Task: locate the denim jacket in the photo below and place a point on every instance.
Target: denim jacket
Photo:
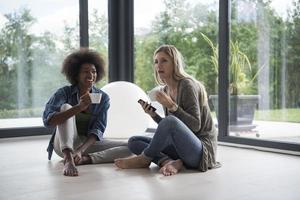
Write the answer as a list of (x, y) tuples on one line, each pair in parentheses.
[(70, 95)]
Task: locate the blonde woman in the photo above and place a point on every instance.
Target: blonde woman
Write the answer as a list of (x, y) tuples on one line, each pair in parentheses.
[(187, 135)]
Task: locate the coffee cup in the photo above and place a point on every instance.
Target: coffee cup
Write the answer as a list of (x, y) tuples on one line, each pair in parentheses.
[(95, 97), (152, 95)]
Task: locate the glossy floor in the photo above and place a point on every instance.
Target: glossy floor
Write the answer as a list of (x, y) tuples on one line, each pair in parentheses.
[(25, 173)]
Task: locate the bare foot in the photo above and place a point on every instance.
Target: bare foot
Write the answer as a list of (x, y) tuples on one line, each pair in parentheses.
[(171, 167), (69, 165), (132, 162), (85, 160), (69, 168)]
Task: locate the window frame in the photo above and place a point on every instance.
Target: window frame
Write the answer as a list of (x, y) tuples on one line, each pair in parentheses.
[(121, 67), (223, 118), (121, 51)]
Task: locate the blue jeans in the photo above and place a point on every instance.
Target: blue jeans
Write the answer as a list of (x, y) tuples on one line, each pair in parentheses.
[(172, 140)]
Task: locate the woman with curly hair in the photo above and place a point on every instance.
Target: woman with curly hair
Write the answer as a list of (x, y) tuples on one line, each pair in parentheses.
[(78, 124)]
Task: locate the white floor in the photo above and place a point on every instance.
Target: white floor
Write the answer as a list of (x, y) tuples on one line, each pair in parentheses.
[(267, 130), (25, 173)]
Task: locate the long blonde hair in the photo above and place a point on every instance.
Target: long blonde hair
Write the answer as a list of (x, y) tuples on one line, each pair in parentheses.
[(179, 66)]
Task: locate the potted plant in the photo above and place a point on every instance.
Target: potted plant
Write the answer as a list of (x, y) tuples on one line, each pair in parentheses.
[(242, 104)]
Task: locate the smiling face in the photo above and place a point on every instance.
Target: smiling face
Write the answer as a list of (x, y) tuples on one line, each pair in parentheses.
[(87, 76), (164, 66)]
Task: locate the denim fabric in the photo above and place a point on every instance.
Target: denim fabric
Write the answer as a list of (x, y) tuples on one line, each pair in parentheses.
[(70, 95), (137, 144), (172, 139)]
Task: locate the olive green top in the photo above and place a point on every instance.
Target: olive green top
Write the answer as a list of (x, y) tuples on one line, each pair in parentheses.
[(82, 123)]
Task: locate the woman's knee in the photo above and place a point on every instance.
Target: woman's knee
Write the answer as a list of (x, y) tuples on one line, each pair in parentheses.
[(65, 107), (169, 122), (136, 144), (171, 119), (131, 140), (132, 143)]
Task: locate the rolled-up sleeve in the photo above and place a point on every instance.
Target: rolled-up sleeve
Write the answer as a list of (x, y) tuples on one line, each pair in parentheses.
[(99, 126), (53, 105), (157, 118)]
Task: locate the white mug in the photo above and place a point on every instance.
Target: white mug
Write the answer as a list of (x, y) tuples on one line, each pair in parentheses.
[(95, 97), (152, 93)]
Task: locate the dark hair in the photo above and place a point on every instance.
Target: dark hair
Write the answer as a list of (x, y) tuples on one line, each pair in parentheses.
[(73, 62)]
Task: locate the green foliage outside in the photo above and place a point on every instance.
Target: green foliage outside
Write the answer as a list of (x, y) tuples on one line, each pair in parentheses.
[(182, 25), (30, 64), (239, 64), (287, 115), (21, 113), (282, 115)]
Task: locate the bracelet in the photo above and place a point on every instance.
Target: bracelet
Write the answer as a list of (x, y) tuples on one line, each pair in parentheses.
[(173, 108)]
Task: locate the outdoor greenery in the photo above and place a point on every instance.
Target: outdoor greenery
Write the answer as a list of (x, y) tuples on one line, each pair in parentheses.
[(287, 115), (182, 25), (30, 64), (239, 64), (28, 112), (279, 115)]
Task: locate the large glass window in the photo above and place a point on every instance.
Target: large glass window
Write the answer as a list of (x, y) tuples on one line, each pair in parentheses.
[(98, 31), (264, 70), (180, 23), (34, 39)]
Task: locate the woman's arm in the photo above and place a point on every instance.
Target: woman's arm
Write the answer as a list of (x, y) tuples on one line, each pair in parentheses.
[(188, 110), (157, 118), (90, 140), (147, 108), (62, 116)]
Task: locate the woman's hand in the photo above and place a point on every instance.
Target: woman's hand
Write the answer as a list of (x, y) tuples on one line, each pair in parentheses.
[(146, 106), (77, 155), (84, 101), (164, 99)]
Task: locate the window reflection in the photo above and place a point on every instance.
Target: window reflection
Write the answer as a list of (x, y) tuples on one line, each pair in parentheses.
[(34, 39), (266, 32), (98, 31)]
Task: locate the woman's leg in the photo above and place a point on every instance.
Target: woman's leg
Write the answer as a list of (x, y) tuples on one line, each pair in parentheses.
[(105, 151), (170, 132), (137, 144), (65, 139)]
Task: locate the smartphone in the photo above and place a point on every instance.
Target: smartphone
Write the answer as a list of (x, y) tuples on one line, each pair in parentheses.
[(142, 102)]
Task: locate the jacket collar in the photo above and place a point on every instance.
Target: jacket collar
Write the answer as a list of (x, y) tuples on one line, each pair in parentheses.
[(75, 90)]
